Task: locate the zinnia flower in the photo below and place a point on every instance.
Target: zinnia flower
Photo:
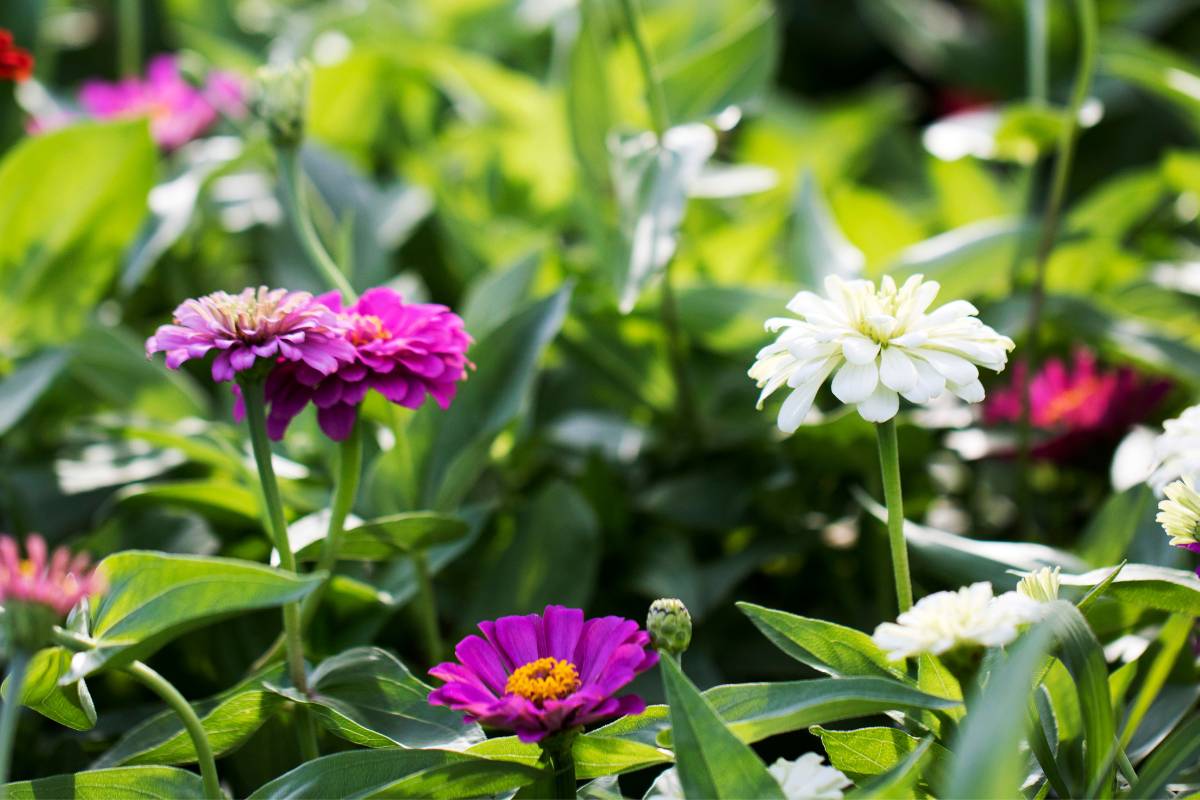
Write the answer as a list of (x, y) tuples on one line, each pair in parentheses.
[(1041, 585), (806, 778), (178, 111), (57, 583), (878, 345), (1177, 450), (271, 324), (406, 352), (1179, 514), (541, 674), (1079, 406), (16, 64), (971, 616)]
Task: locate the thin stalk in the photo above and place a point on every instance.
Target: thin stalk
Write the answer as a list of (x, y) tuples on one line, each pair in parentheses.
[(1036, 71), (655, 97), (426, 608), (291, 183), (345, 490), (256, 418), (195, 728), (563, 764), (889, 464), (18, 663), (129, 37)]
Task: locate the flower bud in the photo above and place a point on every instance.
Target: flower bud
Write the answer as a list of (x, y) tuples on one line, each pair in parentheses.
[(670, 625), (1040, 585), (281, 101)]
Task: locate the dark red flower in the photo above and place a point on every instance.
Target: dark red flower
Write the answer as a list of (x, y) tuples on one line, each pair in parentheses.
[(16, 63)]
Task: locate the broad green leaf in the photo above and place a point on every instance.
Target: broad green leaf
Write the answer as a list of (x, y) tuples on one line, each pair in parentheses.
[(222, 500), (145, 783), (1155, 69), (934, 678), (397, 773), (1146, 586), (900, 782), (70, 704), (1179, 751), (385, 537), (21, 388), (367, 696), (971, 261), (818, 248), (589, 106), (492, 298), (1158, 662), (229, 719), (82, 197), (824, 646), (153, 598), (595, 756), (710, 759), (867, 752)]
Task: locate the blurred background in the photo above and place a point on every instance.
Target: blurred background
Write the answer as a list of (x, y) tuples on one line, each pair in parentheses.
[(492, 155)]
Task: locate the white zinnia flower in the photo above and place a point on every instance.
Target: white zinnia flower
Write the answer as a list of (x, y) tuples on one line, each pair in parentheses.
[(1177, 450), (1179, 514), (806, 778), (1041, 585), (945, 620), (877, 344)]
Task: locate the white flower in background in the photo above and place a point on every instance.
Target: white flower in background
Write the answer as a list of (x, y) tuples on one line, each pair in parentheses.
[(1177, 450), (1179, 514), (806, 778), (945, 620), (1041, 585), (878, 344)]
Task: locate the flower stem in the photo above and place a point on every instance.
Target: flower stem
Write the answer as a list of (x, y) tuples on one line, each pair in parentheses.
[(291, 184), (195, 728), (426, 608), (256, 418), (889, 464), (18, 662), (655, 97), (129, 37), (345, 490), (559, 762)]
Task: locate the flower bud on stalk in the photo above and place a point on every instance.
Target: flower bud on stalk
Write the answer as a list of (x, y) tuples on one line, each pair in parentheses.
[(670, 625), (281, 101)]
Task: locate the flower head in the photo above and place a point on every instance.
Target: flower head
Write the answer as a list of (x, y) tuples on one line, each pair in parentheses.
[(670, 625), (544, 673), (1177, 450), (878, 344), (178, 111), (971, 616), (1041, 585), (16, 64), (806, 778), (1076, 406), (406, 352), (42, 588), (1179, 514), (281, 100), (270, 324)]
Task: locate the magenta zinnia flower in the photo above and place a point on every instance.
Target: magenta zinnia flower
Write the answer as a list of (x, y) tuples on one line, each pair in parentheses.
[(541, 674), (57, 583), (178, 111), (276, 325), (1076, 407), (406, 352)]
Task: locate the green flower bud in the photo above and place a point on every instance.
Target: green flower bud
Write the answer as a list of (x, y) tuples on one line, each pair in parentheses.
[(670, 625), (281, 101)]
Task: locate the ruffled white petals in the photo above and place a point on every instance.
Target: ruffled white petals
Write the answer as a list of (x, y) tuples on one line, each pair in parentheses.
[(808, 778), (878, 343), (1179, 513), (1177, 450)]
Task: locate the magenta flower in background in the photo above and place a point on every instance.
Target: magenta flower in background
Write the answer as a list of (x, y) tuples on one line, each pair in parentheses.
[(540, 674), (406, 352), (178, 111), (1076, 406), (272, 324), (57, 583)]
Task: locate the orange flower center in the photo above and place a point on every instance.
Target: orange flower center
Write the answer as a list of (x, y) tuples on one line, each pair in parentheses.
[(1065, 403), (368, 329), (544, 679)]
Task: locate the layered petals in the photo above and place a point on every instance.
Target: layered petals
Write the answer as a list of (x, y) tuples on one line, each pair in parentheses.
[(58, 581)]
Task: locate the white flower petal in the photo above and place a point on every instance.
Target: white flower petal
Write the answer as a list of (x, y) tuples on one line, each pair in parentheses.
[(881, 406), (855, 382), (897, 370), (859, 349), (971, 392), (956, 369)]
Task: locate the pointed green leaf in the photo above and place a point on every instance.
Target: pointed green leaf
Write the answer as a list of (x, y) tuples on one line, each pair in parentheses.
[(386, 537), (824, 646), (144, 783), (595, 756), (69, 705)]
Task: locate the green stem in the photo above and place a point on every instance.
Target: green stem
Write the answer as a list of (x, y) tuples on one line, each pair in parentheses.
[(291, 182), (426, 608), (195, 728), (18, 662), (256, 419), (655, 97), (129, 37), (1035, 51), (889, 463), (345, 490)]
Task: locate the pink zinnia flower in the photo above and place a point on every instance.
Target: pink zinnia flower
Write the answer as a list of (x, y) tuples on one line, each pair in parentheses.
[(1076, 406), (541, 674), (57, 584), (276, 325), (178, 111), (406, 352)]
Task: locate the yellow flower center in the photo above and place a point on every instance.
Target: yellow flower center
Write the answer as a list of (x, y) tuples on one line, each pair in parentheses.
[(27, 569), (368, 329), (544, 679)]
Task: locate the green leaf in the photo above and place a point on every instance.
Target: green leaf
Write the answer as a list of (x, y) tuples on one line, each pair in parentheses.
[(1146, 586), (595, 756), (899, 783), (934, 678), (367, 696), (82, 197), (1179, 751), (867, 752), (144, 783), (69, 705), (970, 261), (395, 773), (385, 537), (711, 761), (1155, 667), (1155, 69), (153, 598), (824, 646), (588, 99), (492, 298), (220, 500), (818, 247), (22, 388)]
